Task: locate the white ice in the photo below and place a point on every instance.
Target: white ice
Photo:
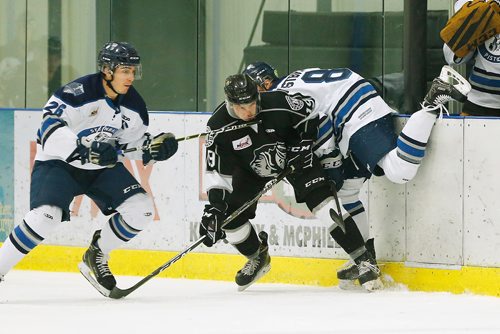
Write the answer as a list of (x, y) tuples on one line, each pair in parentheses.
[(37, 302)]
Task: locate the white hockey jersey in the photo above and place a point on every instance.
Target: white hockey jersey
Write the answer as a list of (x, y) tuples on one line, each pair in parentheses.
[(485, 75), (81, 109), (344, 100)]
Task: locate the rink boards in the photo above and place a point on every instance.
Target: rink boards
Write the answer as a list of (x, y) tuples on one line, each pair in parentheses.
[(438, 232)]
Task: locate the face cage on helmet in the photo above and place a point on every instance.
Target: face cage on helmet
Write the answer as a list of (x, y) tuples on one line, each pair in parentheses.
[(112, 66)]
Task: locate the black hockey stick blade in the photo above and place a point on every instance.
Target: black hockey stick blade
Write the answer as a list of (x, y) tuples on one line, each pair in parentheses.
[(117, 293)]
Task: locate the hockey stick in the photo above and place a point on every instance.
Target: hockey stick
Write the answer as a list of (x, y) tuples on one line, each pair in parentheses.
[(210, 136), (117, 293)]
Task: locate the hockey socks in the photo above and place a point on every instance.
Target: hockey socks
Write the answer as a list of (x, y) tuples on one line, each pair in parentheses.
[(114, 233)]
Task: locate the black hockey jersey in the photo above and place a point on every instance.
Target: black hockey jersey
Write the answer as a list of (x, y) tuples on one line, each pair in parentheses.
[(259, 149)]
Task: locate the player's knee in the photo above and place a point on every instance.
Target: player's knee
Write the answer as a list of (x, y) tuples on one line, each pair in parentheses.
[(401, 175), (43, 219), (137, 211), (398, 170), (238, 234)]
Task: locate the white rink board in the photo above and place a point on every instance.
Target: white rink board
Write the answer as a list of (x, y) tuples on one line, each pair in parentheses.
[(482, 192), (426, 221), (387, 214), (175, 186), (434, 199)]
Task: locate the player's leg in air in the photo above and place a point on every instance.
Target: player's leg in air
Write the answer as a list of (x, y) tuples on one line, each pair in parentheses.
[(401, 164), (396, 157)]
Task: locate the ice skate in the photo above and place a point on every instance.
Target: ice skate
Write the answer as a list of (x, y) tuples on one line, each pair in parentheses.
[(256, 267), (95, 267), (450, 85), (349, 272), (369, 272)]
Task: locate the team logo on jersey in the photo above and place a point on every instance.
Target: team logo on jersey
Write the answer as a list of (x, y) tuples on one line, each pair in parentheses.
[(74, 88), (269, 160), (242, 143), (295, 104), (307, 100), (490, 50)]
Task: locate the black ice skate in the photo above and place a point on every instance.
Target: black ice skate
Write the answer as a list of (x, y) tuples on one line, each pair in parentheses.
[(450, 85), (256, 267), (95, 267), (369, 272), (349, 272)]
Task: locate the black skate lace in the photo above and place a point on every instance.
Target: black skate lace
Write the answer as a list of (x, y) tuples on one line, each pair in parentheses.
[(250, 266), (102, 264)]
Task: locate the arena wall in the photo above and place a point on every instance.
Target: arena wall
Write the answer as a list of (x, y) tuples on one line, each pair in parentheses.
[(436, 233)]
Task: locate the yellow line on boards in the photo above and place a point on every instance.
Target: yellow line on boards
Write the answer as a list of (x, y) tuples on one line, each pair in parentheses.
[(287, 270)]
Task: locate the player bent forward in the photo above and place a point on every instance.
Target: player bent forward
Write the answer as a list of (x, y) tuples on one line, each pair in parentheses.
[(84, 124), (357, 138), (239, 163)]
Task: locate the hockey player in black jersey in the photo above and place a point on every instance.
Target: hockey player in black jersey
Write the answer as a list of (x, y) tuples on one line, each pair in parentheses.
[(240, 162), (84, 123), (360, 126)]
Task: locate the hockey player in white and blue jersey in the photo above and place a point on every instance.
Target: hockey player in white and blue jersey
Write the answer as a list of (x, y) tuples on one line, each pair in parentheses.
[(484, 97), (84, 125), (358, 123)]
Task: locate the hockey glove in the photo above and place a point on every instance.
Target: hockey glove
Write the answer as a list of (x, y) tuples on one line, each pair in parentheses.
[(161, 147), (99, 153), (332, 165), (473, 24), (210, 225), (300, 155)]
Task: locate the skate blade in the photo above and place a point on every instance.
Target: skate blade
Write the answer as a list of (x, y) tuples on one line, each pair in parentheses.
[(350, 285), (451, 76), (264, 271), (373, 285), (86, 272)]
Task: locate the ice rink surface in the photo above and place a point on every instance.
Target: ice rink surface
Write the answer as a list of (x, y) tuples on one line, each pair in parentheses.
[(37, 302)]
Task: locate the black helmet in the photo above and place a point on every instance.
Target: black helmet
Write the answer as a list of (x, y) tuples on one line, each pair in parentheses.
[(260, 71), (114, 54), (240, 89)]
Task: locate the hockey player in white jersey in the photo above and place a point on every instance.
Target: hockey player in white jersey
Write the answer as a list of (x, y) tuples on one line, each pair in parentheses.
[(84, 125), (484, 97), (358, 123)]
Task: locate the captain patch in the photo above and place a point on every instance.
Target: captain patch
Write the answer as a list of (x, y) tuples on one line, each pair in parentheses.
[(242, 143)]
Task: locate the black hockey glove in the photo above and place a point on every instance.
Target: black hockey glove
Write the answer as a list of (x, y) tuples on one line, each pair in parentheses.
[(161, 147), (99, 153), (332, 165), (211, 225), (300, 155)]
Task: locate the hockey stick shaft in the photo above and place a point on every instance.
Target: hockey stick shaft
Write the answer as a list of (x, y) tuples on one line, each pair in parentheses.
[(210, 133), (117, 293)]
